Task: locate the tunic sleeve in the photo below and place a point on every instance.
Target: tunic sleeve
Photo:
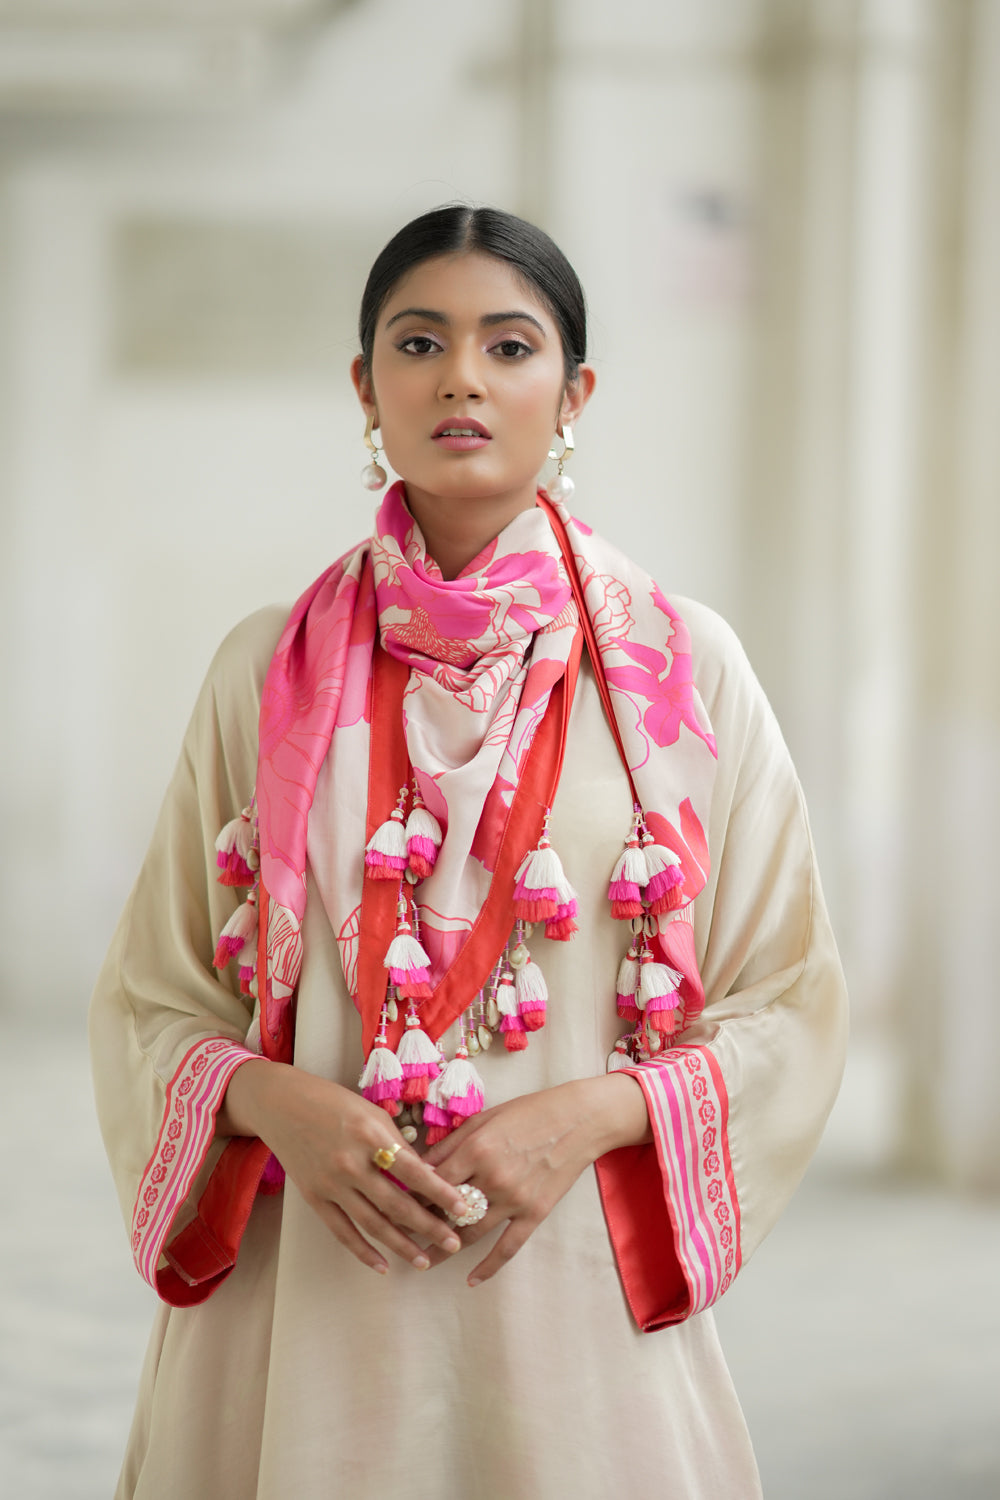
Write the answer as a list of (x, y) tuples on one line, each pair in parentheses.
[(738, 1105), (167, 1031)]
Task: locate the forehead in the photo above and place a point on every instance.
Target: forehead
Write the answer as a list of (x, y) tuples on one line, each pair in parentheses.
[(466, 285)]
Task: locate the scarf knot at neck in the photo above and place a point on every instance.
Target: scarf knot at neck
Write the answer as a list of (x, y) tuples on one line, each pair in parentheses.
[(454, 629)]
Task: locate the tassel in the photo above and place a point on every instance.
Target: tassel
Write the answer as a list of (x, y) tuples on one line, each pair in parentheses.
[(235, 852), (423, 839), (541, 891), (385, 853), (665, 883), (658, 993), (619, 1058), (532, 995), (461, 1087), (512, 1027), (238, 933), (273, 1177), (628, 984), (247, 960), (408, 964), (628, 877), (562, 926), (437, 1117), (382, 1078), (419, 1059)]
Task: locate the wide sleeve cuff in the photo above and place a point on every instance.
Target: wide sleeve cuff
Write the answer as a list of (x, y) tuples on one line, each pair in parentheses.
[(672, 1211), (188, 1268)]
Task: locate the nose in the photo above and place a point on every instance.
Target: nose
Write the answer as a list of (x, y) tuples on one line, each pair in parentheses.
[(461, 375)]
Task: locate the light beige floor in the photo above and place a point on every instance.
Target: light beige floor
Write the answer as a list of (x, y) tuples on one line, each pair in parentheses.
[(864, 1338)]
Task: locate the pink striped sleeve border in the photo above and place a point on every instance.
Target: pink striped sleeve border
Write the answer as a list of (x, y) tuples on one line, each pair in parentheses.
[(689, 1111), (194, 1095)]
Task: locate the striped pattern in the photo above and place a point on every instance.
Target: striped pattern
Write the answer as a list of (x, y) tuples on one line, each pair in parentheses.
[(194, 1095), (689, 1111)]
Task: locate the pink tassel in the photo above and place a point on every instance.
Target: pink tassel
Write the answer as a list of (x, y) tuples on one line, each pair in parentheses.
[(273, 1177), (385, 853), (461, 1087), (658, 988), (562, 926), (382, 1078), (628, 983), (627, 879), (541, 891), (239, 932), (512, 1026), (423, 839), (419, 1059), (437, 1116), (408, 965), (665, 884), (532, 995), (236, 853)]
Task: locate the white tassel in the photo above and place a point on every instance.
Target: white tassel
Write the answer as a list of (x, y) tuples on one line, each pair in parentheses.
[(631, 866), (542, 870), (507, 996), (529, 984), (655, 979), (389, 839), (383, 1066), (628, 974), (422, 824), (416, 1049), (406, 952), (619, 1058)]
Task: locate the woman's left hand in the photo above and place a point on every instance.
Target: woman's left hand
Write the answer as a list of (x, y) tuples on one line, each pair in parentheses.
[(526, 1154)]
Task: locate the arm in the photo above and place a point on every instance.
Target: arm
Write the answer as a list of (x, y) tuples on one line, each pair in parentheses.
[(738, 1106)]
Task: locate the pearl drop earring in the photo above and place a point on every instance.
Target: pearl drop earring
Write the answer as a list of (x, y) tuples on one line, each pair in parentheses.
[(373, 476), (562, 486)]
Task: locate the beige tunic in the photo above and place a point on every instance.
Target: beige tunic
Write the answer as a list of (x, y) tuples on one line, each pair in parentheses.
[(306, 1375)]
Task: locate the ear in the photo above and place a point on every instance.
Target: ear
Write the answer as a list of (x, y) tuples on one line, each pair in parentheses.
[(362, 383), (577, 394)]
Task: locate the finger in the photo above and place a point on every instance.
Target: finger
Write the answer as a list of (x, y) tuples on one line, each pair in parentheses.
[(470, 1234), (351, 1239), (506, 1247), (368, 1217), (414, 1173), (402, 1209)]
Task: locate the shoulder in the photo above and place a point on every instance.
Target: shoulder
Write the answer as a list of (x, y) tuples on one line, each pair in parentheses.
[(240, 664), (725, 681)]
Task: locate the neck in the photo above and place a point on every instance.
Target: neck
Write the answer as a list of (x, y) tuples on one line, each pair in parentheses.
[(455, 530)]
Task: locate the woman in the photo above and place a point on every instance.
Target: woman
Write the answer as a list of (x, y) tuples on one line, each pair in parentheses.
[(480, 731)]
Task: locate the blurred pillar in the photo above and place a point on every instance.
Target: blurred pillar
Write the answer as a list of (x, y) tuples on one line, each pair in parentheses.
[(534, 86), (951, 1015), (794, 525)]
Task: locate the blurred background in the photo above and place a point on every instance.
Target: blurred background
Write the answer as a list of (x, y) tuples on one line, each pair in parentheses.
[(786, 214)]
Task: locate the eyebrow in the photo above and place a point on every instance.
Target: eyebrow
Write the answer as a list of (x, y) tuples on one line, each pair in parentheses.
[(488, 320)]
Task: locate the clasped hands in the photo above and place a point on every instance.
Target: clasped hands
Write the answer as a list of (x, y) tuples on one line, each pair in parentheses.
[(524, 1155)]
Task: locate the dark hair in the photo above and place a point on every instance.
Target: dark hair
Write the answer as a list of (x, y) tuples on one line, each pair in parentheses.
[(535, 258)]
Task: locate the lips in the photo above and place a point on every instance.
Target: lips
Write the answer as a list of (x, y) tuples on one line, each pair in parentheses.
[(461, 427)]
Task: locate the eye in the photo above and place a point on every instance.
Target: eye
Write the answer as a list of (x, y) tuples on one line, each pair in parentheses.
[(418, 344), (512, 349)]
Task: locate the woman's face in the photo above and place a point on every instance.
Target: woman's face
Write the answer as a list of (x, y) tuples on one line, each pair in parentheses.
[(468, 383)]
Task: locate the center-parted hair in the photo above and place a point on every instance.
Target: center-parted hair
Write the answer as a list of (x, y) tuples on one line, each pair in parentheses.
[(456, 228)]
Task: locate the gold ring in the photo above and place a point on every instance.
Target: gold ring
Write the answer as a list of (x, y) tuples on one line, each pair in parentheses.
[(385, 1156)]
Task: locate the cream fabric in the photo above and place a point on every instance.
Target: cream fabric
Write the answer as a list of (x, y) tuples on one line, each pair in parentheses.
[(306, 1375)]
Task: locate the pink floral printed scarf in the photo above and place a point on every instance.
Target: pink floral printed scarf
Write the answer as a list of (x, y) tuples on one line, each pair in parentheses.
[(484, 652)]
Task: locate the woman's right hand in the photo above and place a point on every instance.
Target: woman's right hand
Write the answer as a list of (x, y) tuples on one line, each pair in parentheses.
[(325, 1135)]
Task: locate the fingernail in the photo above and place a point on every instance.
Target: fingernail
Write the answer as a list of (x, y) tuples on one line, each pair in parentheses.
[(452, 1244), (473, 1281), (421, 1263), (380, 1267)]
